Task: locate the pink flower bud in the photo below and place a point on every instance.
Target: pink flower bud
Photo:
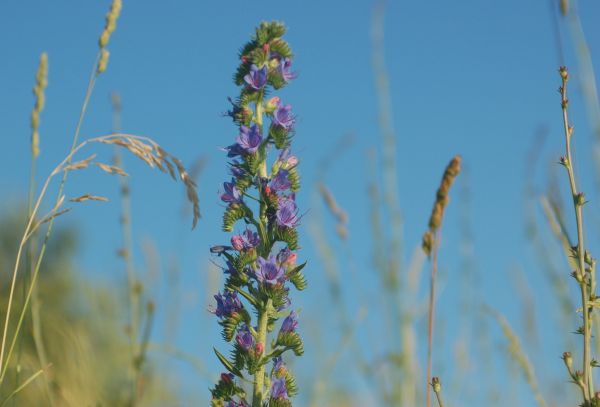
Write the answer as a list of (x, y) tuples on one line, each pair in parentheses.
[(237, 242), (272, 104), (291, 260), (292, 161), (260, 348)]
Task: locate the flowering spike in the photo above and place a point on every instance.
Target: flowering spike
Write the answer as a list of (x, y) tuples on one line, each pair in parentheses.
[(260, 262)]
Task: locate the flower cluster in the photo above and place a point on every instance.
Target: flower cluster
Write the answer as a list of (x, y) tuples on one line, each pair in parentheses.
[(261, 262)]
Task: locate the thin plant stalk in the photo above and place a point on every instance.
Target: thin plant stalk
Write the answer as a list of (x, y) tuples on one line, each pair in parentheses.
[(31, 226), (431, 315), (586, 280), (430, 245), (133, 290)]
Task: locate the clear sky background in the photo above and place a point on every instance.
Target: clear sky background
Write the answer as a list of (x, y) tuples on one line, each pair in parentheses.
[(476, 78)]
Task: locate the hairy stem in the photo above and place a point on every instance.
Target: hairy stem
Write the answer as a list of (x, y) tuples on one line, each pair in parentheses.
[(259, 376)]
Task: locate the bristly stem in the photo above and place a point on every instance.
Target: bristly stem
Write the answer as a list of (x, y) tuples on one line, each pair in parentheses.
[(585, 278), (259, 376)]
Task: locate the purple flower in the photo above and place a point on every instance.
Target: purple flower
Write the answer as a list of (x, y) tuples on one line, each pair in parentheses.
[(236, 170), (289, 323), (282, 116), (242, 403), (287, 213), (244, 337), (228, 303), (278, 366), (249, 139), (286, 158), (234, 150), (278, 389), (257, 78), (269, 271), (231, 270), (285, 67), (246, 241), (231, 194), (280, 181)]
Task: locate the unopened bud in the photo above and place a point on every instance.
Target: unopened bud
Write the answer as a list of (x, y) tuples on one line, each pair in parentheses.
[(260, 348), (272, 104), (435, 383), (568, 359), (564, 73), (580, 199)]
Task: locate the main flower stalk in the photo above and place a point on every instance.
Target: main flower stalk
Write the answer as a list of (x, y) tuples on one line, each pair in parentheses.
[(260, 263)]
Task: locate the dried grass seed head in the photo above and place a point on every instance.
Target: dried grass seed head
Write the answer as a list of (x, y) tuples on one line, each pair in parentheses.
[(441, 201)]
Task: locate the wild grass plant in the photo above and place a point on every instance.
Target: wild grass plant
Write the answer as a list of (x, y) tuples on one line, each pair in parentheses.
[(142, 147)]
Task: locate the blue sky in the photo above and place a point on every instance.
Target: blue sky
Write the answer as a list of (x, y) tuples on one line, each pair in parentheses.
[(476, 78)]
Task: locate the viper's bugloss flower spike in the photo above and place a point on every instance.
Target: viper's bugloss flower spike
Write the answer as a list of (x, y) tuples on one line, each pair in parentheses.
[(256, 78), (260, 265), (249, 139), (41, 82)]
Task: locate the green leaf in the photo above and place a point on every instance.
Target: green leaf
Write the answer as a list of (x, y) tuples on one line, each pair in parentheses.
[(233, 213), (294, 179), (228, 365), (287, 235), (247, 296), (291, 340), (279, 136)]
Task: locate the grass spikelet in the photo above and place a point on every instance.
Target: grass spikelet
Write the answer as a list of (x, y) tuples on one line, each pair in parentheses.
[(79, 165), (112, 169), (517, 353), (109, 27), (89, 197), (41, 82), (155, 156), (339, 214)]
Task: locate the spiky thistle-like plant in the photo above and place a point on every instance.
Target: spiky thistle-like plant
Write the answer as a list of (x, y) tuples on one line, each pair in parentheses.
[(260, 263)]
